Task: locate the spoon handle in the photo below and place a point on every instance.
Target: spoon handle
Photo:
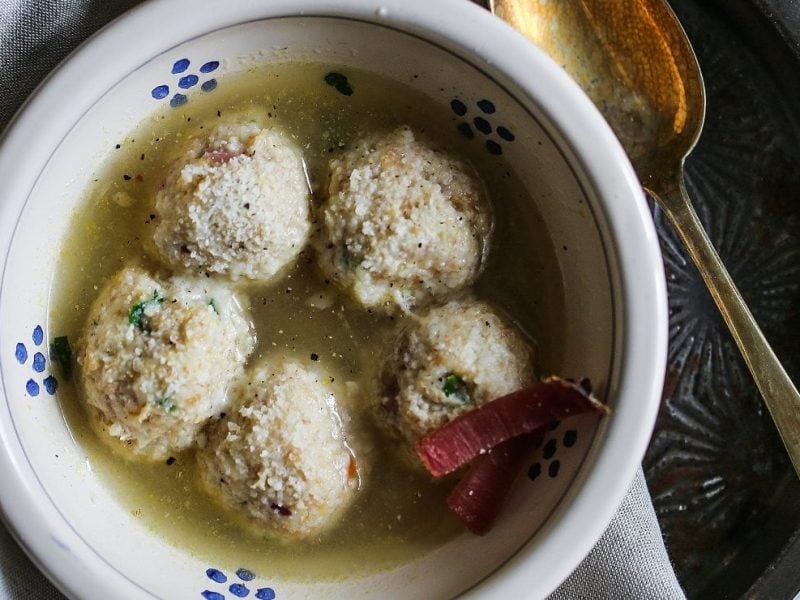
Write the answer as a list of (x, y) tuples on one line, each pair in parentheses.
[(778, 391)]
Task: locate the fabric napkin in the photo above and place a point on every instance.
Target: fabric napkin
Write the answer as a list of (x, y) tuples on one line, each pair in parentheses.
[(628, 563)]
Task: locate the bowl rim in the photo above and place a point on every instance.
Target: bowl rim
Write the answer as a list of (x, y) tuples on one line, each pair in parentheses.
[(598, 488)]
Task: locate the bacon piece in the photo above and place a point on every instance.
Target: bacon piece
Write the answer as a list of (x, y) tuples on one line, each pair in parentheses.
[(483, 490), (221, 156), (478, 431)]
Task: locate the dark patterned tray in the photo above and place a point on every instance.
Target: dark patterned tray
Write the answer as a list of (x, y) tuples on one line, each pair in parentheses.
[(725, 494)]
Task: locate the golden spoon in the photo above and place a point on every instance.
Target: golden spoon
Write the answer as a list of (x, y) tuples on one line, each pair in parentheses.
[(635, 62)]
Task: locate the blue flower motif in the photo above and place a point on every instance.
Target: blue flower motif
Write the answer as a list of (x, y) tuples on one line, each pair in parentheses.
[(32, 387), (180, 65), (239, 590), (570, 437), (178, 100), (185, 81), (216, 575), (493, 147), (160, 92), (38, 365), (486, 106), (482, 124), (189, 81), (245, 575), (505, 134), (458, 107), (549, 451), (21, 353), (50, 384)]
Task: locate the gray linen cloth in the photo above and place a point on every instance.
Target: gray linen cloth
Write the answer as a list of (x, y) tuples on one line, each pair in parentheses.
[(629, 562)]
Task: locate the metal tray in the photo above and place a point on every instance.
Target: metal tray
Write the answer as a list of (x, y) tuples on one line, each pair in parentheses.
[(724, 492)]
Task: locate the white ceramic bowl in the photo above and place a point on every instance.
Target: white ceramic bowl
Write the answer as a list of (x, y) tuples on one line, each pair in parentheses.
[(576, 172)]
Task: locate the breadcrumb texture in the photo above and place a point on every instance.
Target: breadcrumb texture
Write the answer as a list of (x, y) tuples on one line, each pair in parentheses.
[(236, 204), (450, 360), (156, 358), (280, 454), (404, 222)]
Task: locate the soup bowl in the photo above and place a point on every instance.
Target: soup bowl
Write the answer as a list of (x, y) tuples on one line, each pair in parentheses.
[(516, 110)]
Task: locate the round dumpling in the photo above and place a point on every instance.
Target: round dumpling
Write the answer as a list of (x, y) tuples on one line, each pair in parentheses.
[(450, 360), (280, 454), (403, 222), (236, 204), (157, 357)]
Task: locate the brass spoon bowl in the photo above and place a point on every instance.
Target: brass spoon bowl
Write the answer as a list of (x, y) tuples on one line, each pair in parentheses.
[(635, 62)]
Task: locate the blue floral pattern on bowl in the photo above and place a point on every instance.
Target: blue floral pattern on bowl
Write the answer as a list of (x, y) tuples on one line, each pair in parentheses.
[(238, 588), (548, 460), (482, 124), (186, 81), (38, 364)]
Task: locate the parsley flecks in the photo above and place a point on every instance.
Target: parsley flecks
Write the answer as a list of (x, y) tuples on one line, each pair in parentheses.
[(167, 403), (136, 315), (61, 353), (213, 306), (348, 259), (456, 388), (339, 81)]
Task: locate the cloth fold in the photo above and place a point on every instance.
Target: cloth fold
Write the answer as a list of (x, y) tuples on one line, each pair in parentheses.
[(628, 563)]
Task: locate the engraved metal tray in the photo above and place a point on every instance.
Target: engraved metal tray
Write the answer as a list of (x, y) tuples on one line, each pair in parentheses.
[(724, 492)]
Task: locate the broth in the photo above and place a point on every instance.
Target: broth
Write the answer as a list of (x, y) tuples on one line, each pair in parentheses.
[(399, 513)]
